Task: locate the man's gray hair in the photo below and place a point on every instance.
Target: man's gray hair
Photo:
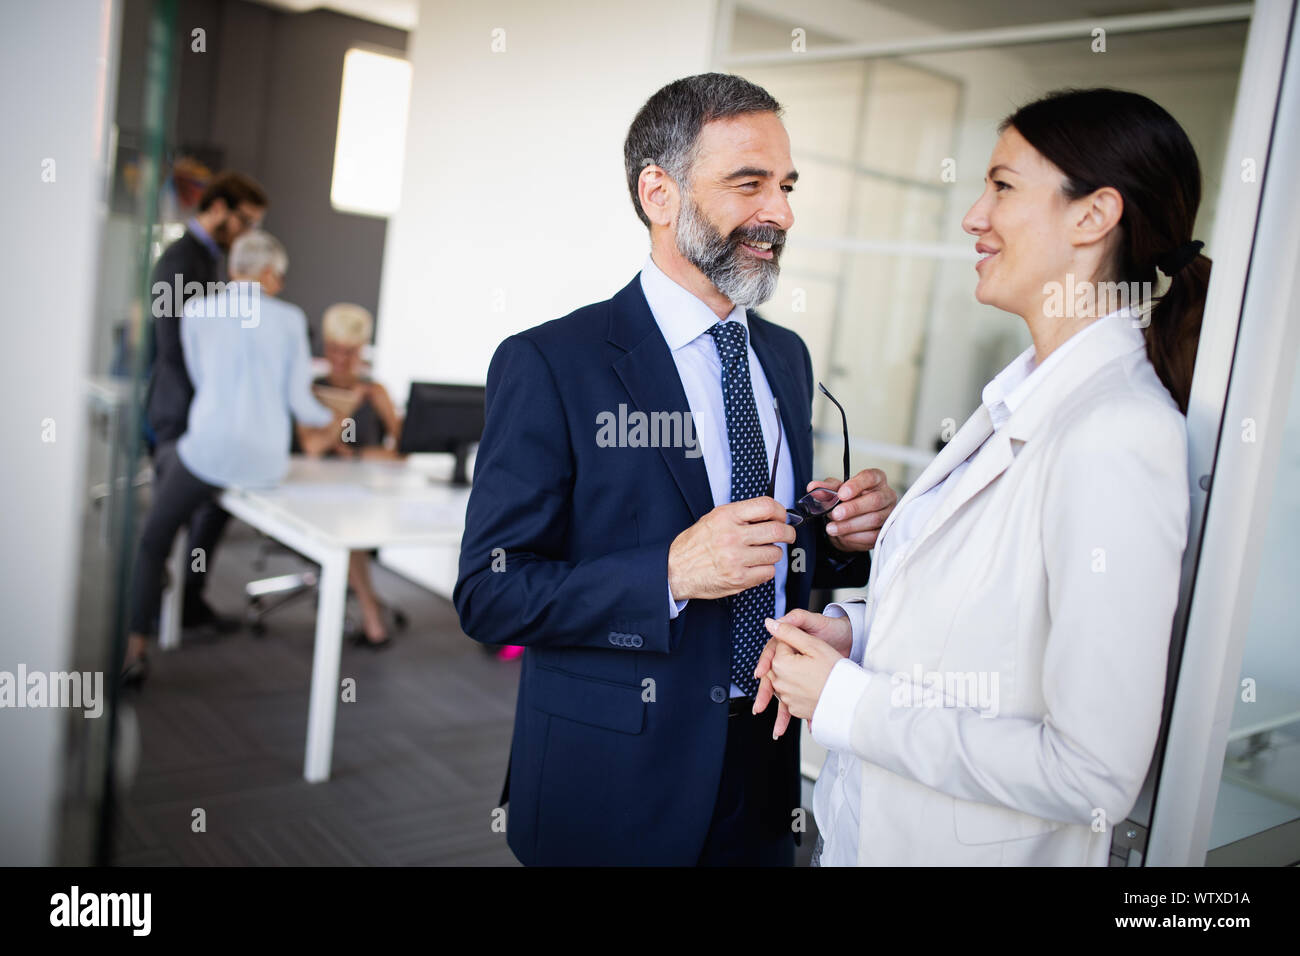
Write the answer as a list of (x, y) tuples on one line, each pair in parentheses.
[(254, 251), (668, 126)]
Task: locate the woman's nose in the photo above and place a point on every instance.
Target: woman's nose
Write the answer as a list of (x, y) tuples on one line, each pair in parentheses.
[(976, 220)]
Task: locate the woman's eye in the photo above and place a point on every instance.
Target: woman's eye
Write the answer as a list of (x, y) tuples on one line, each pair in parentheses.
[(999, 185)]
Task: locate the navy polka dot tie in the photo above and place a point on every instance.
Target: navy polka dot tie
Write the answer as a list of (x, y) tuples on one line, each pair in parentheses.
[(749, 477)]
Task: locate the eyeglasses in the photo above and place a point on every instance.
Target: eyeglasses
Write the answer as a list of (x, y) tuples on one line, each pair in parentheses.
[(819, 501), (247, 220)]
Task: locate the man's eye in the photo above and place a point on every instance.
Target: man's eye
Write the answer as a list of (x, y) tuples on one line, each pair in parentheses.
[(748, 185), (788, 189)]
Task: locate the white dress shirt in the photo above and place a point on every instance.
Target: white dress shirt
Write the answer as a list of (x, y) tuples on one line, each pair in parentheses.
[(837, 795), (684, 321), (251, 376)]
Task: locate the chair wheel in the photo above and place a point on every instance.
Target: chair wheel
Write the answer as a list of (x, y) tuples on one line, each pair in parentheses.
[(399, 620)]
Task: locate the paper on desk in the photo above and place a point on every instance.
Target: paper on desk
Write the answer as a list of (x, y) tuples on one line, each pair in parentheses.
[(432, 513), (317, 491)]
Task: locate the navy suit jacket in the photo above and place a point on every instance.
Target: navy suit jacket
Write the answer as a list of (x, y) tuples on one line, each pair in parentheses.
[(170, 392), (621, 719)]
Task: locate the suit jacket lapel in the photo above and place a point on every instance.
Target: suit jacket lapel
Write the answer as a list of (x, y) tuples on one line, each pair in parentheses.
[(1117, 338), (648, 372), (968, 438), (992, 461)]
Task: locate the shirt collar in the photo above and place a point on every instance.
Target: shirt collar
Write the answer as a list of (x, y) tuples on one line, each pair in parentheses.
[(1013, 385), (202, 236), (680, 315)]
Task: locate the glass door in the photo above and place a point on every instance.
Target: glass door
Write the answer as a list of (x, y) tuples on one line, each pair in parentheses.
[(1228, 787), (101, 752)]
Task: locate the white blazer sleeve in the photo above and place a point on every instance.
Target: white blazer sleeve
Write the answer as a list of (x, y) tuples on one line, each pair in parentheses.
[(1114, 525)]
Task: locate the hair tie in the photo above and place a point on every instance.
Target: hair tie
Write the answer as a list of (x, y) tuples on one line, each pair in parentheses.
[(1176, 260)]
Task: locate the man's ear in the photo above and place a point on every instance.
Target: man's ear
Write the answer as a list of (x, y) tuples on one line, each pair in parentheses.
[(658, 195), (1094, 216)]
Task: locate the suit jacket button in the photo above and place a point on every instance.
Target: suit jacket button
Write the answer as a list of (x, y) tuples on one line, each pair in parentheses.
[(718, 694)]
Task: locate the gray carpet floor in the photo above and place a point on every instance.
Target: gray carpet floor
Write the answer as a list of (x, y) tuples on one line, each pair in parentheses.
[(220, 727)]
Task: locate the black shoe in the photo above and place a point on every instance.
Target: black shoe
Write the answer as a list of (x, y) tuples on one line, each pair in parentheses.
[(134, 673), (360, 639), (198, 613)]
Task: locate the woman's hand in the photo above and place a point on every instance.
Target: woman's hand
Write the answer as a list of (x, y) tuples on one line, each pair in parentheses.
[(835, 632), (800, 667)]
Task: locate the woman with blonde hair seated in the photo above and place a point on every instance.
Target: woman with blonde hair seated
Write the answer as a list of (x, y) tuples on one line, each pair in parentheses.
[(372, 430)]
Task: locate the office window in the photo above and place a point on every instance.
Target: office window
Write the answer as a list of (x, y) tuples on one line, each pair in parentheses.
[(372, 133)]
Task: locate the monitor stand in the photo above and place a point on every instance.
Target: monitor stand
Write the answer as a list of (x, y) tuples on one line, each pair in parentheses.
[(459, 476)]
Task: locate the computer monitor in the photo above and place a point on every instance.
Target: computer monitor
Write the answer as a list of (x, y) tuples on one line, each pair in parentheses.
[(444, 418)]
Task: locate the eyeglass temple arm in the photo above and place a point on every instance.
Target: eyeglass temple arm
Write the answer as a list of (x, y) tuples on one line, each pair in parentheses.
[(771, 484), (844, 421)]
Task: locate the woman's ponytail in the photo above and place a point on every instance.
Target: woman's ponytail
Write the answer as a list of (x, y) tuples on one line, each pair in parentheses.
[(1175, 328)]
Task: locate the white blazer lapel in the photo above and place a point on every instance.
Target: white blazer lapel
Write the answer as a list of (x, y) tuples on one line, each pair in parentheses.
[(969, 437), (988, 465)]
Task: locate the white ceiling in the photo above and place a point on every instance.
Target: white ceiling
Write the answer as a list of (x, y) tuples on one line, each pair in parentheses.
[(949, 14), (985, 14), (402, 14)]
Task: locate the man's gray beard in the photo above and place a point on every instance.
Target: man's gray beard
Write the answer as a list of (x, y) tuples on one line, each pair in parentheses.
[(745, 280)]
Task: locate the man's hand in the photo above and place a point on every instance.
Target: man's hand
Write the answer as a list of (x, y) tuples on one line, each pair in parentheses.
[(729, 550), (865, 503), (835, 631)]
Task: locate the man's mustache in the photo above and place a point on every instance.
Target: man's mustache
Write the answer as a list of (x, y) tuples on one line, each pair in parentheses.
[(760, 234)]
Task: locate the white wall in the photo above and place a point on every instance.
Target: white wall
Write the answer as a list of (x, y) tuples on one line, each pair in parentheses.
[(60, 54), (514, 204), (514, 207)]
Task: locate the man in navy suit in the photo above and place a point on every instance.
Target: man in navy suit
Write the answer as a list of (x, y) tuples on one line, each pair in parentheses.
[(625, 526)]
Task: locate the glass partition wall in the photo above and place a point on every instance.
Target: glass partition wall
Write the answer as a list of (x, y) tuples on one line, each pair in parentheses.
[(878, 276), (101, 753)]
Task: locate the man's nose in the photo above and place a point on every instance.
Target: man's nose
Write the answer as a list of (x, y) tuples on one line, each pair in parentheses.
[(777, 212)]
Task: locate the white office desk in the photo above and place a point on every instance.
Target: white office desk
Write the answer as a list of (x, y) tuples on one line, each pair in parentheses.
[(323, 510)]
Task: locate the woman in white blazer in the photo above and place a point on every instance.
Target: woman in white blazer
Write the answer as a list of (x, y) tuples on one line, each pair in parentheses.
[(996, 698)]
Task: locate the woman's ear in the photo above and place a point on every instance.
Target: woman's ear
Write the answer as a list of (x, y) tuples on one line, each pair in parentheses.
[(658, 195), (1094, 216)]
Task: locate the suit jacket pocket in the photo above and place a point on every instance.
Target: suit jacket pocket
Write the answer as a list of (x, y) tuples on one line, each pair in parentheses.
[(588, 700), (980, 823)]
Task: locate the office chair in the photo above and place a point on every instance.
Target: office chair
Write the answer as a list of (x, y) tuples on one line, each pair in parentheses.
[(264, 596)]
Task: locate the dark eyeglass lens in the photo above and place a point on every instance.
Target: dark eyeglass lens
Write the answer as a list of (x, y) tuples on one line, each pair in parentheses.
[(819, 501)]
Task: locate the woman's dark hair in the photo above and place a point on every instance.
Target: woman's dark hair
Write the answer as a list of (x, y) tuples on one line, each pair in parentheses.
[(1114, 138)]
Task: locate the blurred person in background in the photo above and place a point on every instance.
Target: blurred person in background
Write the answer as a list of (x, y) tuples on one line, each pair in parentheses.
[(246, 354), (371, 430), (229, 206)]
